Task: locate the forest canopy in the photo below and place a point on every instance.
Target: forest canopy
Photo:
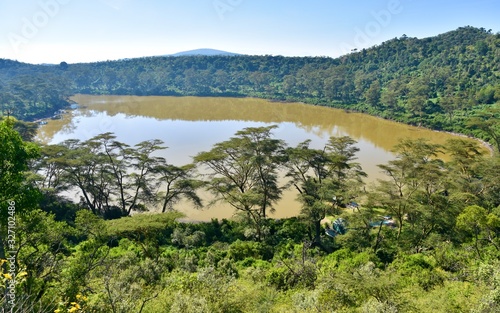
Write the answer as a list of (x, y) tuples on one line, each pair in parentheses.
[(425, 238), (437, 82)]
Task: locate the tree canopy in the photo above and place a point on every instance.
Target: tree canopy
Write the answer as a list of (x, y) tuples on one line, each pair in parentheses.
[(427, 237), (437, 82)]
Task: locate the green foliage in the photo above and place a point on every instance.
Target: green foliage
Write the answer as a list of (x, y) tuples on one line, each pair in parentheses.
[(434, 82), (489, 275), (29, 93), (247, 276), (291, 228), (179, 182), (294, 274), (420, 269), (487, 121), (443, 256), (240, 250), (142, 222), (62, 208), (452, 296), (127, 282), (472, 219), (42, 245), (481, 226), (188, 238), (243, 172), (364, 287), (326, 179), (15, 155), (113, 178), (345, 260)]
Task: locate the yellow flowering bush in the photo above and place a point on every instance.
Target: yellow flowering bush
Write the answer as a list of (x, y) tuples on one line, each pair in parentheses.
[(10, 278), (73, 307)]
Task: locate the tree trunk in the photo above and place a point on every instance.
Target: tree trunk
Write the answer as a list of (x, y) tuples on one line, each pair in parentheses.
[(317, 232), (379, 239), (400, 227)]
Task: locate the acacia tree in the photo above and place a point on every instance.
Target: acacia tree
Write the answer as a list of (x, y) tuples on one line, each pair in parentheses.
[(417, 97), (100, 169), (324, 178), (130, 169), (243, 171), (433, 212), (413, 180), (141, 187), (488, 122), (119, 158), (176, 183), (266, 155), (475, 178), (138, 175), (70, 166), (50, 173), (465, 169), (114, 178), (87, 170)]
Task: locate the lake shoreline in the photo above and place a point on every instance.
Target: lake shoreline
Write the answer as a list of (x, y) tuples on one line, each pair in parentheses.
[(486, 145)]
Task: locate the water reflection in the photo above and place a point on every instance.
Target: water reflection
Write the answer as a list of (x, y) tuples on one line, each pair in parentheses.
[(189, 125)]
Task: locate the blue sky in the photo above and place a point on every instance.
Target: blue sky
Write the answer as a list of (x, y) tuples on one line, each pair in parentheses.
[(51, 31)]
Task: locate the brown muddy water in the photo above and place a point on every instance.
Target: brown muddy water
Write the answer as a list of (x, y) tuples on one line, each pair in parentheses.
[(189, 125)]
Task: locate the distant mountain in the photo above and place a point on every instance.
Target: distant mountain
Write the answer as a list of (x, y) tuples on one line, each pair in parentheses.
[(204, 52)]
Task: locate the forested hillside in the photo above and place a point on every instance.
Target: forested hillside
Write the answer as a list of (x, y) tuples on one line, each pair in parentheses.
[(424, 238), (436, 82)]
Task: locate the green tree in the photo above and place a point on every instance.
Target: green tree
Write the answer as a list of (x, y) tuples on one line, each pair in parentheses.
[(141, 180), (373, 94), (389, 98), (88, 255), (486, 95), (17, 194), (414, 171), (243, 172), (42, 246), (325, 179), (114, 179), (418, 94), (487, 122), (87, 169), (307, 168), (474, 176), (178, 183), (49, 169), (465, 168), (15, 156), (473, 220), (450, 103)]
